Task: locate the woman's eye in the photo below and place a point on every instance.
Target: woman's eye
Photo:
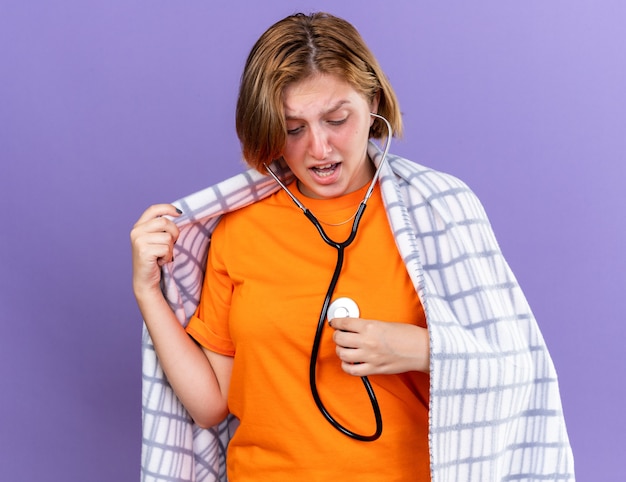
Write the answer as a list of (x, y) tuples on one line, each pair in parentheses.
[(294, 131), (337, 122)]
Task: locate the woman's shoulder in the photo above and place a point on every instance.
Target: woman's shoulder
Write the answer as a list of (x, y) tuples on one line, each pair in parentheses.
[(419, 174), (263, 210), (442, 191)]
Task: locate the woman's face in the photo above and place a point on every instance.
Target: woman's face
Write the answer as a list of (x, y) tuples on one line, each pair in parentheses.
[(328, 125)]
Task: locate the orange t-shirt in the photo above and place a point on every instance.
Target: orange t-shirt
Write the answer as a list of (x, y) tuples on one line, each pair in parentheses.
[(267, 275)]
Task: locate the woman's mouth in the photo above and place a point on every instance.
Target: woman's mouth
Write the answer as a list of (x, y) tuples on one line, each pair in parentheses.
[(326, 170)]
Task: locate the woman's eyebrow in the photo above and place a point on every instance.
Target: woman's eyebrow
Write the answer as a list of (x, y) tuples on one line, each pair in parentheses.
[(330, 110)]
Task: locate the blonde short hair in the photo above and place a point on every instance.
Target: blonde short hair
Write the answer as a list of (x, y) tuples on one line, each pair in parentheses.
[(289, 51)]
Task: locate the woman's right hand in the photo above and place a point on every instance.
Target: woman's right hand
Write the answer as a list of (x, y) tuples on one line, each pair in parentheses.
[(152, 239)]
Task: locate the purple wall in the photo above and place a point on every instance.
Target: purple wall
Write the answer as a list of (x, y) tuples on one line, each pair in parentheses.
[(108, 106)]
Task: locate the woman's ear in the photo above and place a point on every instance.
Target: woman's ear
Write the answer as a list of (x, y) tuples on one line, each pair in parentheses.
[(374, 105)]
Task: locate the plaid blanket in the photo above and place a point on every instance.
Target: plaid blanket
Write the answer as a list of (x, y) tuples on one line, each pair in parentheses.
[(495, 408)]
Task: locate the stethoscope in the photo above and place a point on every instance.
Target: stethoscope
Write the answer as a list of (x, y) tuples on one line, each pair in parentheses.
[(341, 306)]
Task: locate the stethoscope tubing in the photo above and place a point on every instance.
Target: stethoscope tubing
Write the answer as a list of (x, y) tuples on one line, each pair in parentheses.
[(318, 337), (340, 247)]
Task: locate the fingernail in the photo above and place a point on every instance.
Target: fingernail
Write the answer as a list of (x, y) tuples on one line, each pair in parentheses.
[(179, 211)]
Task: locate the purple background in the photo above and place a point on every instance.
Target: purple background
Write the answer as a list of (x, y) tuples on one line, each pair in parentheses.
[(109, 106)]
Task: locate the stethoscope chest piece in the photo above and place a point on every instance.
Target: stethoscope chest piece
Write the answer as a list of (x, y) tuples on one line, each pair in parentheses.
[(343, 308)]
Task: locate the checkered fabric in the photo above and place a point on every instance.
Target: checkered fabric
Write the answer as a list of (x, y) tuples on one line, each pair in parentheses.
[(495, 408)]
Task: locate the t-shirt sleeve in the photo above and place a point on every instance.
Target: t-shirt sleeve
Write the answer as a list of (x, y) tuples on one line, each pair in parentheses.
[(209, 324)]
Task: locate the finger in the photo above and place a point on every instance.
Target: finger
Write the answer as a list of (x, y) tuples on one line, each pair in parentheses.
[(349, 355), (357, 369), (163, 260), (345, 324), (159, 247), (162, 225), (165, 238), (155, 225), (151, 247), (163, 255), (157, 210), (346, 339)]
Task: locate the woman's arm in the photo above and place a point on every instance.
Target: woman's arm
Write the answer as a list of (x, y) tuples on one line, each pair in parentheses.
[(199, 378)]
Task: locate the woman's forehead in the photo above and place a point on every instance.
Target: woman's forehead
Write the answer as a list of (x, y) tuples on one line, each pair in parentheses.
[(318, 95)]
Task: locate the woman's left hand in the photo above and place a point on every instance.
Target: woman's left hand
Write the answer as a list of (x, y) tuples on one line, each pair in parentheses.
[(370, 347)]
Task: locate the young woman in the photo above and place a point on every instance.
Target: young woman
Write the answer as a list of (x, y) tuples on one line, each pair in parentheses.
[(437, 372)]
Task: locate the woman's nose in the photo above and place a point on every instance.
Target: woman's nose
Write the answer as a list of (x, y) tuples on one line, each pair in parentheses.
[(319, 145)]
